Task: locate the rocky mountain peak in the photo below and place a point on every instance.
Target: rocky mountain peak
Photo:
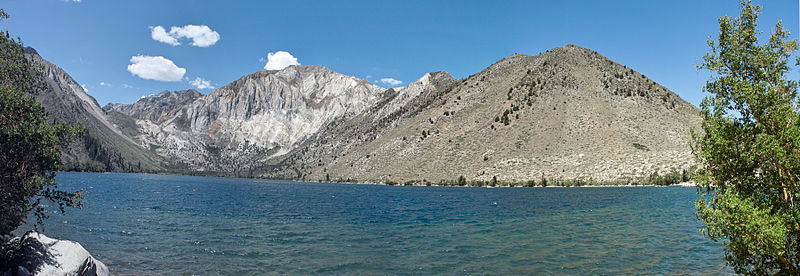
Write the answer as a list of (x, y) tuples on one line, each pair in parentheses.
[(440, 78), (269, 110), (569, 53), (436, 79), (305, 79), (433, 83), (156, 107), (30, 51)]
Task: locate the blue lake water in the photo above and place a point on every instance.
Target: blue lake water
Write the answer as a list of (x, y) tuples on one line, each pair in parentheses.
[(172, 225)]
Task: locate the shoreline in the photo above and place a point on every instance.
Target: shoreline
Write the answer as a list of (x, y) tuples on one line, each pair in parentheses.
[(681, 184)]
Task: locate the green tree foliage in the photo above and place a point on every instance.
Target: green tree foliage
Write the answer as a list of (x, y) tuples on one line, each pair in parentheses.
[(30, 147), (749, 151)]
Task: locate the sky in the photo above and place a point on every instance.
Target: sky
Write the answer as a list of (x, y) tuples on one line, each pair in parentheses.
[(123, 50)]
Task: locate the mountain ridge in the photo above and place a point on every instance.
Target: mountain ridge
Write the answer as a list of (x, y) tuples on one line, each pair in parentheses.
[(103, 146), (567, 113), (554, 137)]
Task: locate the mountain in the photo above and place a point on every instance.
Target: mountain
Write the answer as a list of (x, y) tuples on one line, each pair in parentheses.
[(261, 115), (569, 113), (103, 147)]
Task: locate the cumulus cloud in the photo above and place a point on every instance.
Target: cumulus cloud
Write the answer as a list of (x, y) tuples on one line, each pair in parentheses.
[(391, 81), (105, 84), (201, 35), (200, 83), (159, 34), (155, 68), (279, 60), (84, 88)]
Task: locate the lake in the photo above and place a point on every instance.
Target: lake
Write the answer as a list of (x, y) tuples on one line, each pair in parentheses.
[(172, 225)]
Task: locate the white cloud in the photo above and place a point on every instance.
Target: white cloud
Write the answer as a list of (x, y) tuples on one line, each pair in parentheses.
[(279, 60), (391, 81), (201, 35), (105, 84), (125, 85), (155, 68), (200, 83), (84, 88), (159, 34)]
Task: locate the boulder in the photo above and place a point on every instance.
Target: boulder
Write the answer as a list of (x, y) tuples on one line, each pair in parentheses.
[(37, 254)]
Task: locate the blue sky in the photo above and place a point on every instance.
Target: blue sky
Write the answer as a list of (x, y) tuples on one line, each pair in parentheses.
[(94, 40)]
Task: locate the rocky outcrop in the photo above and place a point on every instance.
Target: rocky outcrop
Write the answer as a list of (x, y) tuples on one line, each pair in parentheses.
[(37, 254), (435, 81), (158, 107)]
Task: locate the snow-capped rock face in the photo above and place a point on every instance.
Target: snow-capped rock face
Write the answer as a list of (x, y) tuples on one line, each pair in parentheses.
[(272, 108), (37, 254)]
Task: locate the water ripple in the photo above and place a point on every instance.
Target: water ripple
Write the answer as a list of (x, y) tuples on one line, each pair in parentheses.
[(166, 225)]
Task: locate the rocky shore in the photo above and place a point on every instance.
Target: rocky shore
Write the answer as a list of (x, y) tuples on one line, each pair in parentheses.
[(36, 254)]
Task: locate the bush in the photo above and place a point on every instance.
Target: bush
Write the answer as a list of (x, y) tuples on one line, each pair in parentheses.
[(461, 181)]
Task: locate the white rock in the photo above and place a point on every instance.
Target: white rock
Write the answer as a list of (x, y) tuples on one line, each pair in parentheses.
[(42, 255)]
